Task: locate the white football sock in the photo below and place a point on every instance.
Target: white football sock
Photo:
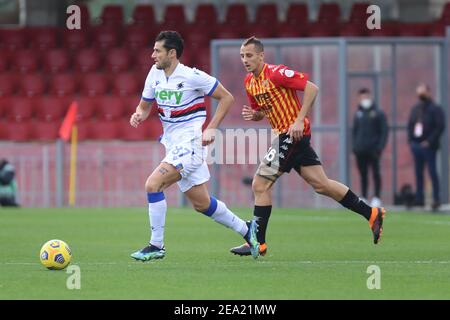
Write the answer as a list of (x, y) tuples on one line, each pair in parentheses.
[(157, 214), (224, 216)]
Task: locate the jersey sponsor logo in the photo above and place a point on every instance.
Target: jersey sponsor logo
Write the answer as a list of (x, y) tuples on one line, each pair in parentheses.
[(167, 95), (289, 73), (262, 97)]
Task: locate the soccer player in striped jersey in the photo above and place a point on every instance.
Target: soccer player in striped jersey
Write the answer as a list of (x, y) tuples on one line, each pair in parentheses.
[(179, 92), (271, 90)]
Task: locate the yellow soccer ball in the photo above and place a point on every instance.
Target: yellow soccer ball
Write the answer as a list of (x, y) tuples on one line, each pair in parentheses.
[(55, 255)]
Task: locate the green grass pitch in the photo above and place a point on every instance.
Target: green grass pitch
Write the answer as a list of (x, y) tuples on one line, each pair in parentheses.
[(313, 254)]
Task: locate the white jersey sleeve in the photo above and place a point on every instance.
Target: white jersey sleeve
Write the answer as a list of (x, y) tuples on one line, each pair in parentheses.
[(148, 94), (203, 82)]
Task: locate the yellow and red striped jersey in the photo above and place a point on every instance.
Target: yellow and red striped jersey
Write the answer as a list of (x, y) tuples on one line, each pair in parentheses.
[(274, 93)]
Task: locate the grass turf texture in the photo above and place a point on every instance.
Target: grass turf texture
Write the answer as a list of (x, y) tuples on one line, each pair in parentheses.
[(313, 254)]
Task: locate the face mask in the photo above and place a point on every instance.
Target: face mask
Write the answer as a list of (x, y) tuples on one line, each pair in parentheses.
[(423, 98), (366, 103)]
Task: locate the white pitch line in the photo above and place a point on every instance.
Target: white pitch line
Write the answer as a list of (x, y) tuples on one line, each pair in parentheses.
[(261, 261)]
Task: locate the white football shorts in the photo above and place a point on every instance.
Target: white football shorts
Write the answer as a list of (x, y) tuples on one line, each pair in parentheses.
[(189, 158)]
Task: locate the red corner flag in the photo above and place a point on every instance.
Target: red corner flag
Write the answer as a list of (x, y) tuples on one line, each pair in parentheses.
[(69, 119)]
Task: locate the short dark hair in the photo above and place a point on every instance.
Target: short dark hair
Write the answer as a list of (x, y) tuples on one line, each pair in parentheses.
[(364, 91), (172, 40), (253, 40)]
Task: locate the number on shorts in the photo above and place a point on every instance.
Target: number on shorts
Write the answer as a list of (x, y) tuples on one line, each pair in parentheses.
[(270, 154)]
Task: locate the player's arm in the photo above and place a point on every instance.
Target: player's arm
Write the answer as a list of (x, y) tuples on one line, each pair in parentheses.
[(309, 97), (252, 113), (310, 93), (142, 113), (226, 100)]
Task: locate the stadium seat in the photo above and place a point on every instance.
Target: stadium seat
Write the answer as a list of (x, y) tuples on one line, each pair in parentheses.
[(106, 37), (13, 39), (267, 14), (352, 29), (437, 29), (149, 130), (388, 29), (86, 108), (261, 31), (155, 128), (3, 129), (63, 84), (112, 15), (56, 60), (18, 131), (188, 53), (206, 15), (414, 29), (226, 31), (20, 109), (174, 15), (104, 130), (297, 14), (83, 129), (109, 108), (358, 13), (138, 37), (203, 60), (143, 60), (43, 38), (45, 130), (321, 29), (125, 84), (94, 84), (144, 15), (236, 15), (85, 16), (75, 39), (4, 61), (197, 37), (118, 59), (51, 108), (32, 84), (4, 105), (8, 83), (329, 13), (287, 30), (88, 60), (130, 103), (25, 61)]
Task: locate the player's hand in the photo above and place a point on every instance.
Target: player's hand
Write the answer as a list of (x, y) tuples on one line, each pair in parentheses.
[(208, 137), (248, 113), (136, 119), (296, 130)]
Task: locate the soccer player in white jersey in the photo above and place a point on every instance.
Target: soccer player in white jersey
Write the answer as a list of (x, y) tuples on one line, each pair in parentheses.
[(179, 92)]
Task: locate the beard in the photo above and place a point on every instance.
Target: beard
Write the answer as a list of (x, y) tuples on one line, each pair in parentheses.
[(163, 65)]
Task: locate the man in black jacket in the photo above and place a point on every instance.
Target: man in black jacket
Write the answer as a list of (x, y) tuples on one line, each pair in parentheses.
[(370, 132), (8, 185), (425, 127)]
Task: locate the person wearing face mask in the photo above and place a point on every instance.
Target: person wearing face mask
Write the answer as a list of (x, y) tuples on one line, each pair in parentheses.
[(370, 132), (425, 127)]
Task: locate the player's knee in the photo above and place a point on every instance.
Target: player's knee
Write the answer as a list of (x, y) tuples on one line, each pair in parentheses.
[(321, 187), (259, 188), (200, 206), (152, 186)]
